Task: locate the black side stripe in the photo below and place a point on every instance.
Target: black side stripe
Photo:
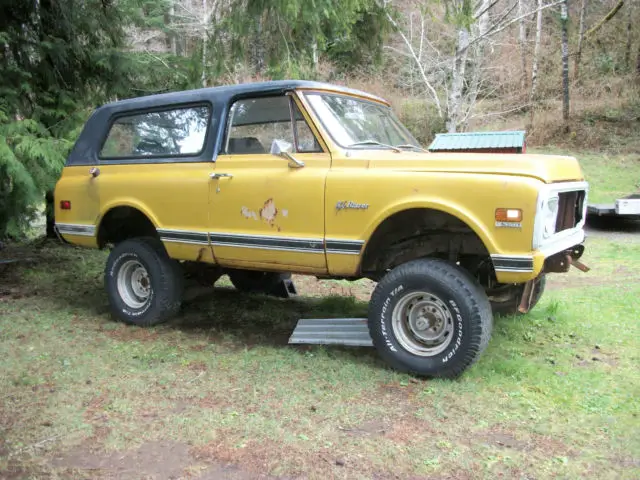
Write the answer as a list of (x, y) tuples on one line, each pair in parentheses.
[(184, 236), (313, 245), (351, 247), (513, 263), (310, 245)]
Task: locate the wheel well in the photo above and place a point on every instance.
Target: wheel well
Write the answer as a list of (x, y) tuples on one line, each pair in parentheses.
[(418, 233), (121, 223)]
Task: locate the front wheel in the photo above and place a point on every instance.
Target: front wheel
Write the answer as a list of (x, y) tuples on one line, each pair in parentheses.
[(143, 284), (430, 317)]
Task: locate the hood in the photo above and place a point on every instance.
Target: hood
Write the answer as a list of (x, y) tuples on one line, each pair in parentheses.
[(548, 168)]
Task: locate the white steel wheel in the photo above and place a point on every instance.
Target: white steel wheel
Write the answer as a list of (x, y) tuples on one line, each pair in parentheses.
[(134, 285), (423, 324), (143, 284), (429, 317)]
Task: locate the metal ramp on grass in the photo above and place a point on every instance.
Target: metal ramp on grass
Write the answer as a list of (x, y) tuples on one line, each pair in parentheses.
[(332, 331)]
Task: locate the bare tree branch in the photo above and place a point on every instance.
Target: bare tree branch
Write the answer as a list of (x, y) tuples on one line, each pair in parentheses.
[(412, 52), (495, 30), (607, 17), (504, 112)]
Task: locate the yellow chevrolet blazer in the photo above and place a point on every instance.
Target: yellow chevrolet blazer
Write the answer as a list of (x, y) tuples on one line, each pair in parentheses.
[(260, 180)]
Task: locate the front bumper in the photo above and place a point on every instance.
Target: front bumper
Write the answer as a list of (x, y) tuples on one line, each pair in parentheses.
[(523, 268)]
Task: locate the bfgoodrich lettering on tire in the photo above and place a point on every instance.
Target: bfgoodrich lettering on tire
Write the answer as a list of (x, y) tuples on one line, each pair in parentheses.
[(143, 284), (430, 317)]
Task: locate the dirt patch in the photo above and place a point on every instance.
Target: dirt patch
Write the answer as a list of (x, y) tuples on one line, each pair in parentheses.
[(9, 469), (252, 460), (531, 443), (407, 431), (15, 471), (593, 362), (197, 367), (596, 356), (127, 333), (160, 460), (220, 472), (370, 428), (506, 440)]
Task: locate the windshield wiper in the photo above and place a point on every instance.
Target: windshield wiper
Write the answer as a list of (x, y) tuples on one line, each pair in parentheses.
[(374, 142), (412, 146)]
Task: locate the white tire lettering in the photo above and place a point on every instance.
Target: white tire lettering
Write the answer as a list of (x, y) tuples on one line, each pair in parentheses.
[(458, 341)]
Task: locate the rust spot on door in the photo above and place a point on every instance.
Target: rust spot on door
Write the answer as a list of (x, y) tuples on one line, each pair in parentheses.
[(269, 212)]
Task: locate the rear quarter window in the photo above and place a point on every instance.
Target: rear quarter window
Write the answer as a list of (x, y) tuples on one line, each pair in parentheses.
[(174, 132)]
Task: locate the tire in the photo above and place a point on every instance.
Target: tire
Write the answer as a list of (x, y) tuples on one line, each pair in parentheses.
[(510, 306), (143, 284), (253, 281), (450, 338)]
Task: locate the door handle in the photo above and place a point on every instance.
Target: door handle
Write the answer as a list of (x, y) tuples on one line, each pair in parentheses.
[(94, 171), (220, 175)]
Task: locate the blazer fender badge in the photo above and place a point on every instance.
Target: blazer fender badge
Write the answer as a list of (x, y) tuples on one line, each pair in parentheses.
[(351, 205)]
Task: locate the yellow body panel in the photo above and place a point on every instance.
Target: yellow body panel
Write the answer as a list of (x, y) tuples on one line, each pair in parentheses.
[(434, 191), (265, 201), (267, 198), (174, 196), (79, 187)]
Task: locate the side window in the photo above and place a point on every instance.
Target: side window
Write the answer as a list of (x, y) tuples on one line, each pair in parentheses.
[(256, 123), (306, 141), (175, 132)]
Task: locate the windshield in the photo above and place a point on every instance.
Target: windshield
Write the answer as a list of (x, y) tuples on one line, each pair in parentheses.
[(357, 123)]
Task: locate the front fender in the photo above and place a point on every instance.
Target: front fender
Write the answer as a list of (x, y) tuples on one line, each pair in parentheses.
[(424, 202)]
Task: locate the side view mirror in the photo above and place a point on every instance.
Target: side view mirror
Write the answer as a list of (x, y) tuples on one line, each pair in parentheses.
[(283, 149)]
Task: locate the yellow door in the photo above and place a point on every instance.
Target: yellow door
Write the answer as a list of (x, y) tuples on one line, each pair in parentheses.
[(266, 211), (157, 162)]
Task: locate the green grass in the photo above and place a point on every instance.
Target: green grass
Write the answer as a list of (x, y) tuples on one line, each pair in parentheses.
[(611, 176), (556, 395)]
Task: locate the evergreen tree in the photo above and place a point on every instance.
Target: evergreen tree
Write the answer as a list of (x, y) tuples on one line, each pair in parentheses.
[(56, 59), (287, 37)]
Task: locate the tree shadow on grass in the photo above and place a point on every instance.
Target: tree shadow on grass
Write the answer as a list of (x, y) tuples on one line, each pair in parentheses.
[(70, 280), (261, 320)]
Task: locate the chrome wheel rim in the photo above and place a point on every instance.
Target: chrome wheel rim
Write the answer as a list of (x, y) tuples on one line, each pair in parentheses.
[(134, 285), (423, 324)]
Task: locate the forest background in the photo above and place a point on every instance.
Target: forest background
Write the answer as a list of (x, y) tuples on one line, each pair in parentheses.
[(567, 71)]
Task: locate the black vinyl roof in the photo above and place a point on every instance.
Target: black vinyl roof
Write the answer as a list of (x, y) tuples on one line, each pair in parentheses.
[(85, 151), (227, 92)]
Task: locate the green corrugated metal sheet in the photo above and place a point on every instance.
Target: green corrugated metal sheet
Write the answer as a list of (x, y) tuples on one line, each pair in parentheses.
[(478, 140)]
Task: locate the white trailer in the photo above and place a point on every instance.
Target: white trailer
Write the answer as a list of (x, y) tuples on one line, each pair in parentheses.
[(626, 207)]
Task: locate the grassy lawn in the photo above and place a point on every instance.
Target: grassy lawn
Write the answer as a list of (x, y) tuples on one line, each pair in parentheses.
[(219, 394)]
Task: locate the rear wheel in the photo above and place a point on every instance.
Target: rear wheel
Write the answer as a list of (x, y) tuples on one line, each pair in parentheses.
[(430, 317), (143, 283), (252, 281)]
